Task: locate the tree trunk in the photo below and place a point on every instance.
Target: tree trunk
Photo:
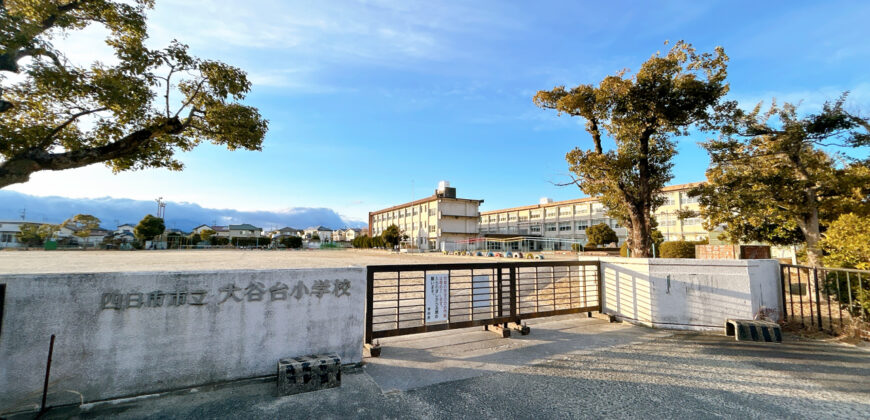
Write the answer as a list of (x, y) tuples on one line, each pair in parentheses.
[(812, 235), (639, 235)]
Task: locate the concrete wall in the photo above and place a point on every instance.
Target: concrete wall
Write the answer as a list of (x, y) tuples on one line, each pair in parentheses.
[(687, 293), (112, 341)]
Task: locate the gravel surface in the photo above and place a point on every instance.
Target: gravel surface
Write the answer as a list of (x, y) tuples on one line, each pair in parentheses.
[(679, 375), (24, 262)]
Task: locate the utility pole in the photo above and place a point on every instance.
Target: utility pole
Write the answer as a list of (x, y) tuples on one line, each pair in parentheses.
[(161, 207), (23, 214)]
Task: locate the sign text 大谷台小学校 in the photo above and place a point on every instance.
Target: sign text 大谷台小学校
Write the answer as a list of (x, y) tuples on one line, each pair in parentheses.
[(230, 293)]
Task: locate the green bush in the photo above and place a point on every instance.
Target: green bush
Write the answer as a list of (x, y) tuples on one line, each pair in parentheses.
[(575, 247), (600, 234), (677, 249), (245, 242), (294, 242), (219, 240), (366, 241)]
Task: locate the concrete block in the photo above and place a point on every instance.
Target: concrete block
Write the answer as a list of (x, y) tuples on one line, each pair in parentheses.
[(308, 373), (752, 330)]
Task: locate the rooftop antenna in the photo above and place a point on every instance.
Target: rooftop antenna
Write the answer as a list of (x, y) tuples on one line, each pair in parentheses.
[(23, 214)]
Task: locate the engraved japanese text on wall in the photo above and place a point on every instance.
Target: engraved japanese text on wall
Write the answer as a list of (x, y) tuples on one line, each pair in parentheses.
[(227, 294)]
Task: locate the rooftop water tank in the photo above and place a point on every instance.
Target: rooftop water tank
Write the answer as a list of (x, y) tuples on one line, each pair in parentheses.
[(443, 185)]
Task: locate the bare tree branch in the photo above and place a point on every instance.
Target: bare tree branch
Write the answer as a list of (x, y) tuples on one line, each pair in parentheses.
[(69, 121)]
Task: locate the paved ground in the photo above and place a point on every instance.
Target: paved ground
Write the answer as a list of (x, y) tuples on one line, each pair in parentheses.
[(23, 262), (567, 367)]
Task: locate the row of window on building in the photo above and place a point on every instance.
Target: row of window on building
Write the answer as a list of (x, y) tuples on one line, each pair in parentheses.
[(579, 209), (405, 212)]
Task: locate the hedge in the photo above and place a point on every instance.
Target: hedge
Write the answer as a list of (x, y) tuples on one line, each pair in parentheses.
[(245, 242), (678, 249), (292, 242)]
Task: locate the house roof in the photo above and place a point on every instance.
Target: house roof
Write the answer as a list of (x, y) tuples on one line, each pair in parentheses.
[(289, 229), (17, 224), (201, 226), (220, 228), (244, 226)]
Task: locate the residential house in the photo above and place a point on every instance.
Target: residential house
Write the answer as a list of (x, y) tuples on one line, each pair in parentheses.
[(324, 233), (8, 230), (126, 227), (221, 231), (244, 231), (199, 229), (95, 236), (347, 235), (284, 232), (125, 233)]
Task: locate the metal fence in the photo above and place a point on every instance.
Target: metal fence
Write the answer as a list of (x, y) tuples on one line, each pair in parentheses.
[(823, 298), (407, 299)]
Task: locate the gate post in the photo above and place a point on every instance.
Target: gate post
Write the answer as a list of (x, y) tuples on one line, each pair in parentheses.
[(782, 292), (818, 298), (599, 274), (499, 292), (513, 287), (374, 351)]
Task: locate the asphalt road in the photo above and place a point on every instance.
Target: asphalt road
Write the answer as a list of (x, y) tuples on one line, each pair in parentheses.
[(639, 373)]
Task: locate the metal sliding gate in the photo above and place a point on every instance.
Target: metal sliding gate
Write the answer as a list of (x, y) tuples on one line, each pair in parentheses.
[(408, 299)]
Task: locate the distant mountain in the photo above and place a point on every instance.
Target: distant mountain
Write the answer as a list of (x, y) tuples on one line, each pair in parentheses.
[(184, 216)]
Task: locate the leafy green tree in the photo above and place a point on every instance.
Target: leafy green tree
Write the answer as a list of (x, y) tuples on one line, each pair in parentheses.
[(149, 227), (670, 94), (28, 234), (206, 234), (292, 242), (82, 225), (315, 237), (600, 234), (391, 236), (195, 238), (657, 237), (129, 115), (846, 242), (46, 231), (773, 182)]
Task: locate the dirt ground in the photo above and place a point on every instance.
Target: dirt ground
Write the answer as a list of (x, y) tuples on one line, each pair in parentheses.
[(27, 262)]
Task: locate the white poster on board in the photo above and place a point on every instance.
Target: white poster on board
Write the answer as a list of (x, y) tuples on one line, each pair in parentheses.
[(481, 291), (437, 297)]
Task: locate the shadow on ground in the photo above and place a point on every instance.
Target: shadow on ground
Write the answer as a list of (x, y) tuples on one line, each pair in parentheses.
[(568, 367)]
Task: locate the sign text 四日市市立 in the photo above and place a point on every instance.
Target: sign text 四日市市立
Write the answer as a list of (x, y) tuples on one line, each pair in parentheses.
[(229, 293)]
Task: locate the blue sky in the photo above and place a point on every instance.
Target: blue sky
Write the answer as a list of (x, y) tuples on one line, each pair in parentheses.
[(371, 103)]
